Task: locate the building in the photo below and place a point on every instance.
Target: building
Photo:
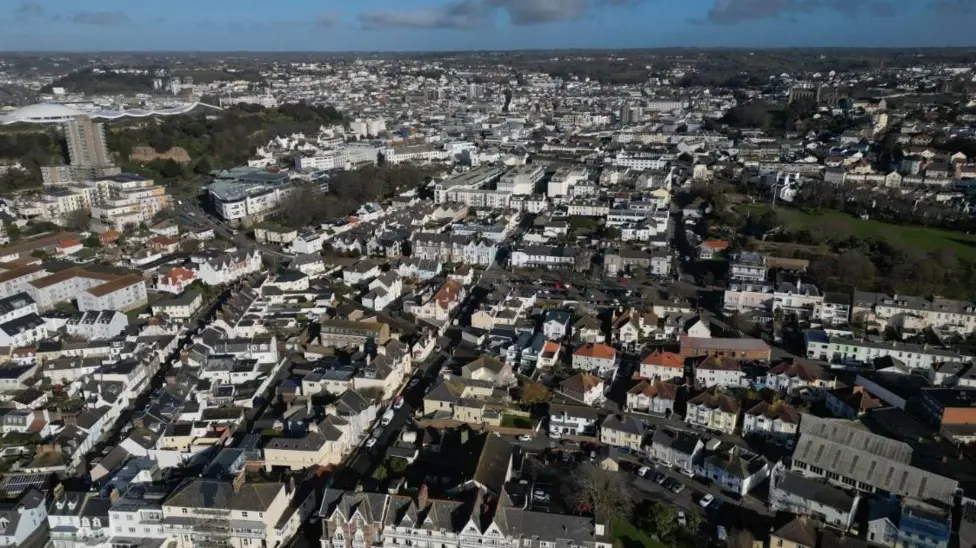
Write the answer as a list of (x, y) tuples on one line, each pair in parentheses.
[(244, 196), (345, 333), (776, 421), (180, 307), (86, 142), (676, 448), (129, 200), (595, 358), (748, 266), (652, 397), (583, 387), (123, 294), (238, 513), (96, 325), (739, 349), (226, 268), (854, 352), (572, 420), (720, 372), (522, 180), (623, 431), (22, 517), (736, 470), (854, 458), (793, 493), (662, 365), (713, 411), (799, 376), (952, 410)]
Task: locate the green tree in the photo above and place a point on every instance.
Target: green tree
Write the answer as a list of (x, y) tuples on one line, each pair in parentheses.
[(92, 241), (694, 520), (202, 166), (665, 520), (171, 169), (78, 220)]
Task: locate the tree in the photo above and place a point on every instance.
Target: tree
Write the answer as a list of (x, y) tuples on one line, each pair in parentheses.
[(396, 465), (665, 520), (78, 220), (694, 520), (202, 167), (171, 169), (603, 491), (533, 392), (92, 241)]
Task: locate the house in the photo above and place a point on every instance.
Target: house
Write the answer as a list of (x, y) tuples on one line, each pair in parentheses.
[(632, 326), (736, 470), (462, 400), (361, 272), (588, 329), (662, 365), (439, 306), (696, 327), (795, 494), (595, 358), (778, 421), (20, 518), (583, 387), (228, 267), (851, 402), (262, 513), (180, 307), (555, 324), (572, 420), (676, 448), (713, 411), (799, 533), (489, 369), (623, 431), (719, 372), (655, 397), (799, 376), (176, 280), (711, 249), (739, 349), (384, 290)]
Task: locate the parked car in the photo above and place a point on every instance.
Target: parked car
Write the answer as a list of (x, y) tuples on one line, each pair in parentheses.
[(413, 382), (555, 435), (659, 478), (706, 500), (642, 471), (721, 534), (370, 443), (682, 520), (525, 437), (398, 403), (677, 487)]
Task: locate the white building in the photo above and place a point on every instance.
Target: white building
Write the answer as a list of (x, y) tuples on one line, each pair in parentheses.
[(125, 293), (227, 267)]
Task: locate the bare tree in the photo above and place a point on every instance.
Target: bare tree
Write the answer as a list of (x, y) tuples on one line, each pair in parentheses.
[(601, 490), (78, 220)]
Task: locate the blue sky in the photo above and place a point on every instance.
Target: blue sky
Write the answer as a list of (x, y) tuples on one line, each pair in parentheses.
[(290, 25)]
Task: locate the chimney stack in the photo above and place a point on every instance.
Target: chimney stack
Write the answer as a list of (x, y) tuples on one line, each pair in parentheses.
[(422, 497)]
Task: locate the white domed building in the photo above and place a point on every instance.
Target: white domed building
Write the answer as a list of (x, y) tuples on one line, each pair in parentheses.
[(41, 113)]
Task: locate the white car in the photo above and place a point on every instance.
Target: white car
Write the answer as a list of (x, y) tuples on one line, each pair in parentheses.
[(370, 443), (706, 500), (525, 437), (682, 520), (555, 435), (643, 470), (398, 403)]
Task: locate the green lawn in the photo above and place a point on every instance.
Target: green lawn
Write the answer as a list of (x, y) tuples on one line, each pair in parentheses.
[(515, 421), (629, 536), (926, 239)]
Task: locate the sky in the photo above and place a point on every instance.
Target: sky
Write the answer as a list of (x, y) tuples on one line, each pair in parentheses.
[(432, 25)]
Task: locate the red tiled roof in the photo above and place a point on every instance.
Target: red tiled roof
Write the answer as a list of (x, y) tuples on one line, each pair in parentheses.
[(596, 350), (664, 359)]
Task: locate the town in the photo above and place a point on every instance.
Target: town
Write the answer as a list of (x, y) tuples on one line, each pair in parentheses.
[(517, 300)]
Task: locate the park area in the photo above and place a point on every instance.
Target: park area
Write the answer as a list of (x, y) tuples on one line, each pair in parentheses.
[(828, 222)]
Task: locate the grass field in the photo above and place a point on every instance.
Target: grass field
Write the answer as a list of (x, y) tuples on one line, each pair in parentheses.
[(926, 239), (627, 536)]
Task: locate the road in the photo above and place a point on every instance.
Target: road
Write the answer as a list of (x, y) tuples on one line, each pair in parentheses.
[(200, 320), (194, 214)]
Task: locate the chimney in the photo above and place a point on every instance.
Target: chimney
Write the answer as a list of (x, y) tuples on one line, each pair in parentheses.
[(422, 496)]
